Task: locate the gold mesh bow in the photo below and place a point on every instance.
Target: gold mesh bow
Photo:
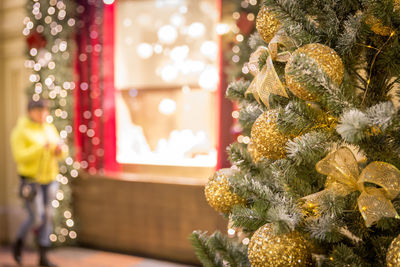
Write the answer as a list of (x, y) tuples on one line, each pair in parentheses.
[(344, 177), (267, 81)]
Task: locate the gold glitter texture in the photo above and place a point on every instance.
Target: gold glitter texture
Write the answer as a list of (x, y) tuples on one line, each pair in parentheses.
[(218, 193), (393, 253), (267, 25), (266, 140), (326, 58), (269, 250)]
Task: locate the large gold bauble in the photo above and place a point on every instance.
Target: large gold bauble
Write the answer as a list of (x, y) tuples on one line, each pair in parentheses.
[(393, 253), (326, 58), (269, 250), (266, 140), (218, 193), (267, 24)]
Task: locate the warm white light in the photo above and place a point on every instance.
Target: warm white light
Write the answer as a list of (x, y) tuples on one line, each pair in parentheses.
[(231, 231), (55, 204), (53, 238), (64, 231), (70, 223), (60, 195), (209, 79), (144, 50), (108, 2), (67, 214), (69, 161), (127, 22), (129, 40), (183, 9), (72, 234), (193, 66), (33, 52), (167, 106), (158, 48), (239, 38), (74, 173), (63, 46), (177, 20), (49, 119), (222, 28), (169, 73), (246, 241), (209, 49), (167, 34), (196, 29), (179, 53)]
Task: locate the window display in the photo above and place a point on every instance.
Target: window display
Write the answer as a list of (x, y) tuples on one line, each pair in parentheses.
[(166, 75)]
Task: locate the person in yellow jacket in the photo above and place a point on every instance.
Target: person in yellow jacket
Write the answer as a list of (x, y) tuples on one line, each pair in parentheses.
[(36, 147)]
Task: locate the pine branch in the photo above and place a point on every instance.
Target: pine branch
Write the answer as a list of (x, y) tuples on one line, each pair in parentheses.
[(308, 148), (234, 253), (249, 219), (343, 255), (203, 250)]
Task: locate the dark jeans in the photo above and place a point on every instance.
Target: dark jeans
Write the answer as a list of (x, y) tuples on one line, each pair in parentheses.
[(40, 211)]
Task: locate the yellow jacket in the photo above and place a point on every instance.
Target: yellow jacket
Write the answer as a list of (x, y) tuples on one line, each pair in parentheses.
[(33, 158)]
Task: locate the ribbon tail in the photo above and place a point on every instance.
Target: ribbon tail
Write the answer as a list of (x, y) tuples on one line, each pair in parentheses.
[(373, 206), (253, 89), (270, 83)]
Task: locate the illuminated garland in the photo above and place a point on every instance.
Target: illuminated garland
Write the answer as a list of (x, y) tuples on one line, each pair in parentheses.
[(48, 29)]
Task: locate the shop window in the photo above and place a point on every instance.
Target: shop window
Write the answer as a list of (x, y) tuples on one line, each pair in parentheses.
[(166, 77)]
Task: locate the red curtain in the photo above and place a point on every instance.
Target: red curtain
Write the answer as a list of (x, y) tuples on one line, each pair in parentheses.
[(94, 103)]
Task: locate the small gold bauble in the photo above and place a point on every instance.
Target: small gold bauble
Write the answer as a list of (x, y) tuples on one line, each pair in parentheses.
[(326, 58), (269, 250), (266, 140), (267, 25), (393, 253), (218, 193)]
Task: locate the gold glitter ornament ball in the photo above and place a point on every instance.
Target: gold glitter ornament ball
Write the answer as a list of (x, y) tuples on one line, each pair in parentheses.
[(393, 253), (267, 25), (269, 250), (326, 58), (266, 140), (218, 193)]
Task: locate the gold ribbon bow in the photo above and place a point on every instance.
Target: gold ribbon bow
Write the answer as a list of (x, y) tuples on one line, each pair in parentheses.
[(267, 81), (344, 177)]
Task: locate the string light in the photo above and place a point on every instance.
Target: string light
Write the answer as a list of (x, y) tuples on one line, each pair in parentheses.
[(45, 40)]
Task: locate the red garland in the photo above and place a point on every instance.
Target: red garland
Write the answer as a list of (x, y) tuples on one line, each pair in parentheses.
[(36, 40)]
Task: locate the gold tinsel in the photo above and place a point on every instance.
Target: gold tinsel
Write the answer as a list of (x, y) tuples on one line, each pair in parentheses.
[(218, 193), (266, 141), (326, 58), (267, 25), (393, 253), (269, 250)]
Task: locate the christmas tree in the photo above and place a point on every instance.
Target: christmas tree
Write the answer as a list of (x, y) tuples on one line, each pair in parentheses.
[(317, 181)]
